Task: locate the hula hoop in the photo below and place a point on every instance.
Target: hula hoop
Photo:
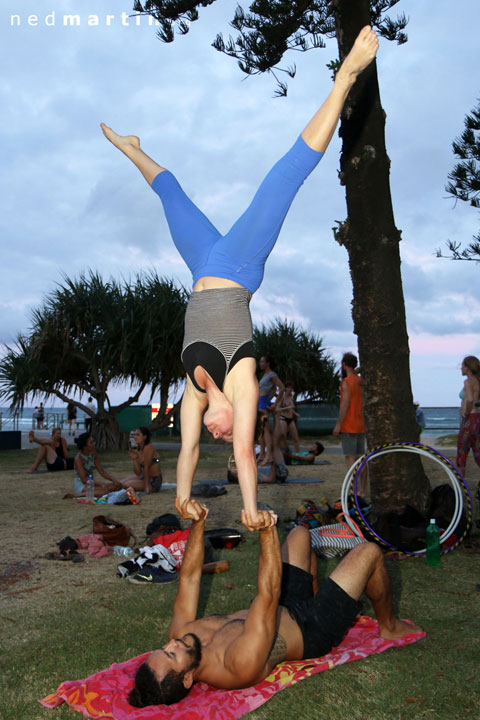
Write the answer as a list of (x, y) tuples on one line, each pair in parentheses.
[(460, 488)]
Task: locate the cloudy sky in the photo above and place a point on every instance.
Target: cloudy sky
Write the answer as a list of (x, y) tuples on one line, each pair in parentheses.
[(71, 202)]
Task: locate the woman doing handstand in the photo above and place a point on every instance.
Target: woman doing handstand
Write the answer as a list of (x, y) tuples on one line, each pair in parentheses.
[(218, 353)]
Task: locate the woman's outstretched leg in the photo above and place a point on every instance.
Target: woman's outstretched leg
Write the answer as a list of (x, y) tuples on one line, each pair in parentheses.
[(252, 238), (321, 127), (130, 146), (191, 231)]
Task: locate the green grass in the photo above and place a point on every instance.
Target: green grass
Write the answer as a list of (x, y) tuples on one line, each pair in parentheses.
[(84, 618), (435, 678)]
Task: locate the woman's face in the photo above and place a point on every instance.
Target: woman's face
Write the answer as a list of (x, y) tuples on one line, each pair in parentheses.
[(139, 437), (219, 422), (90, 446), (263, 363), (464, 369), (57, 435)]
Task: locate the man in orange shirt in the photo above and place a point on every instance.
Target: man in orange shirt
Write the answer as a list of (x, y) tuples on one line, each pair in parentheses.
[(350, 423)]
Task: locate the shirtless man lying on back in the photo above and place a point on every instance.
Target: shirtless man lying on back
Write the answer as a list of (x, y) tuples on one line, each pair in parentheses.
[(289, 619)]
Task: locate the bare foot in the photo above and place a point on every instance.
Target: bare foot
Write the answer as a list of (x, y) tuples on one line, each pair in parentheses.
[(32, 470), (122, 142), (31, 436), (399, 629), (362, 53)]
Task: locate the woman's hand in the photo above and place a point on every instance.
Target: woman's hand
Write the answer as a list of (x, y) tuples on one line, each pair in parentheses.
[(134, 455), (264, 519), (31, 436), (190, 509)]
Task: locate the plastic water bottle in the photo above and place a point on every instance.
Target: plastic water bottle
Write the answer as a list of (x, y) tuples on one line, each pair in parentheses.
[(90, 489), (123, 551), (433, 544)]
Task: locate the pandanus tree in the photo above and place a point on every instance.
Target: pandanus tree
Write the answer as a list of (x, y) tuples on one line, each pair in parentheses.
[(265, 34), (91, 335), (299, 357)]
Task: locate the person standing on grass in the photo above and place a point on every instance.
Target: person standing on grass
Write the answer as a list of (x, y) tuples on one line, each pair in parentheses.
[(268, 385), (285, 424), (350, 424), (469, 434), (91, 414), (71, 418)]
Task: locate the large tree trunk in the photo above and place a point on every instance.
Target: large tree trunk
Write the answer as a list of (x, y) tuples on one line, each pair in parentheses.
[(107, 434), (372, 242)]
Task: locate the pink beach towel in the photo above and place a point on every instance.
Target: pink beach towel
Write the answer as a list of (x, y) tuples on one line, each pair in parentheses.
[(104, 695)]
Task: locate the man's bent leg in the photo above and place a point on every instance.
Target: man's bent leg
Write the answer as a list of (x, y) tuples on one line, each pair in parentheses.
[(297, 550), (363, 570)]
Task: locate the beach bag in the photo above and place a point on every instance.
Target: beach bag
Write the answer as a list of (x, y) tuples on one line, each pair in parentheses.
[(174, 542), (311, 515), (333, 540), (112, 532)]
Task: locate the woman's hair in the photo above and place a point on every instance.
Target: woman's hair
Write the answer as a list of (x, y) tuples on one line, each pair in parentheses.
[(290, 383), (54, 430), (149, 691), (472, 363), (82, 440), (262, 420), (145, 432), (270, 360)]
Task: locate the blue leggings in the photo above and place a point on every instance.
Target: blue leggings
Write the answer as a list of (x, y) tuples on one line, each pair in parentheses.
[(240, 255)]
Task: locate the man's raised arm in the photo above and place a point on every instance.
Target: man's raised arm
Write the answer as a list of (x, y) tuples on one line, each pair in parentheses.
[(186, 602), (246, 656)]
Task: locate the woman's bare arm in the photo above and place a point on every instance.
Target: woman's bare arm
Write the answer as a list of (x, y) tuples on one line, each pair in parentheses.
[(104, 473), (191, 414)]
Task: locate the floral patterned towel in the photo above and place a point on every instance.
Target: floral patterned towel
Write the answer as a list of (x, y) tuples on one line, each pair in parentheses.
[(104, 694)]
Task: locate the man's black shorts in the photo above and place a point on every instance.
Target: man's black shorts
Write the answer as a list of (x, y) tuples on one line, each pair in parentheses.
[(323, 619)]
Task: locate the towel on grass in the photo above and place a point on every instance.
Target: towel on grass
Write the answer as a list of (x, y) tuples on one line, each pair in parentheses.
[(104, 695)]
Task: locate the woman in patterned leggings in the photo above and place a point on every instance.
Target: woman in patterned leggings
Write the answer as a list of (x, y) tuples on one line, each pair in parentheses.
[(218, 351), (469, 435)]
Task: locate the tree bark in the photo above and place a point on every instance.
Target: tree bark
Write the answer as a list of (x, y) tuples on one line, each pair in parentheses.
[(107, 434), (372, 241)]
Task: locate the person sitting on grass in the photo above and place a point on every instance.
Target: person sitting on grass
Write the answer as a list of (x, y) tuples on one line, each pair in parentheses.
[(306, 457), (146, 464), (53, 450), (86, 461), (291, 618)]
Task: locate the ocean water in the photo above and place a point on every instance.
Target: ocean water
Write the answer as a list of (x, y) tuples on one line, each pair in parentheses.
[(24, 421), (439, 420)]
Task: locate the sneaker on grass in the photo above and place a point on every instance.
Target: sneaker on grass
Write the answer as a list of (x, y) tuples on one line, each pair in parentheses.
[(129, 567), (151, 574)]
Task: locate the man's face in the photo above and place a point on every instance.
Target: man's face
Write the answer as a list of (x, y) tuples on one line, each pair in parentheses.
[(179, 654)]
